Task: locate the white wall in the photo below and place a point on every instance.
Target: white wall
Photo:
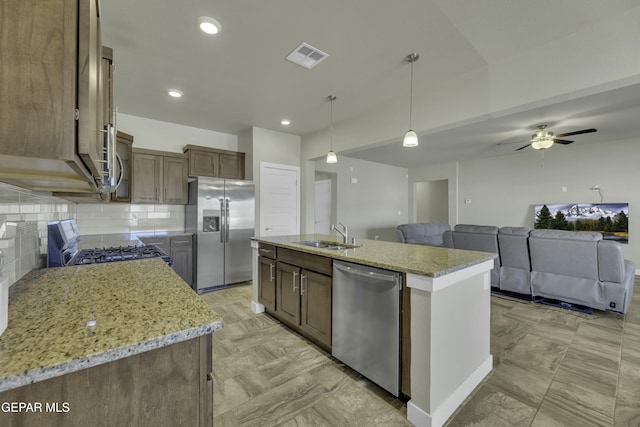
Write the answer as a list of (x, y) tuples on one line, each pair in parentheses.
[(503, 190), (432, 201), (372, 206), (165, 136)]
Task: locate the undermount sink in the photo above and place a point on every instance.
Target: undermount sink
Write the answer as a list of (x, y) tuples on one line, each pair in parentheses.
[(325, 244)]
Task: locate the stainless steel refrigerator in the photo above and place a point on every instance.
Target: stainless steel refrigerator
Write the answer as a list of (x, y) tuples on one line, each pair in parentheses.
[(220, 213)]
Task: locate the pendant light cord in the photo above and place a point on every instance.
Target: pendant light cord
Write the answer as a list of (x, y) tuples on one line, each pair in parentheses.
[(411, 96)]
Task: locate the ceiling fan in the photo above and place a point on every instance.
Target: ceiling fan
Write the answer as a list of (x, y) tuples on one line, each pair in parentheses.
[(543, 139)]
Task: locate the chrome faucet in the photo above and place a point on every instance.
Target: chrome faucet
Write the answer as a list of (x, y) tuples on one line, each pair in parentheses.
[(344, 232)]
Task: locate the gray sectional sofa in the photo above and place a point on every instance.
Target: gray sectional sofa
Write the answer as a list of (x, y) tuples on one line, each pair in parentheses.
[(577, 268)]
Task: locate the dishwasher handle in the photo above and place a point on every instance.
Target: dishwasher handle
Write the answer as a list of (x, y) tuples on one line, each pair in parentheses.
[(364, 273)]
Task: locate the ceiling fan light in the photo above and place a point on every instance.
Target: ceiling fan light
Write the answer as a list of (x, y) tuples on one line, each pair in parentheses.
[(542, 144), (410, 139), (331, 157)]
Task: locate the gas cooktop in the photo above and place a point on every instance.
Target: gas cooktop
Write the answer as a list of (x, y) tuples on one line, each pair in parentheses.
[(120, 253)]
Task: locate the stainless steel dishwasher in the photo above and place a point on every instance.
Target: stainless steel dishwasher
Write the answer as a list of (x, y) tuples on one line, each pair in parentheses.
[(366, 322)]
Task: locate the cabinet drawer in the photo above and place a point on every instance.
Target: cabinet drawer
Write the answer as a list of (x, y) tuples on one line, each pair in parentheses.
[(311, 262), (267, 251), (180, 241), (163, 242)]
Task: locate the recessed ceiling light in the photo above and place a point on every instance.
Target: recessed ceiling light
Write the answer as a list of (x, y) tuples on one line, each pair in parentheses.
[(175, 93), (285, 122), (209, 25)]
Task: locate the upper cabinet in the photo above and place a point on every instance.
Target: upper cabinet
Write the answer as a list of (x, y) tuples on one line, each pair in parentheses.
[(159, 177), (205, 161), (51, 81)]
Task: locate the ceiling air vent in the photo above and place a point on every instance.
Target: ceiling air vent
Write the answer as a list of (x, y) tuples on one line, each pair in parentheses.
[(306, 56)]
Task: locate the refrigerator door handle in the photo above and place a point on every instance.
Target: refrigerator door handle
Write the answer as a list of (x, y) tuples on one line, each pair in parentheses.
[(226, 204), (223, 218)]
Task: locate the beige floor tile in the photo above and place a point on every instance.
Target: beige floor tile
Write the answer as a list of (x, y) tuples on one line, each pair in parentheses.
[(526, 385), (281, 403), (538, 353), (490, 407)]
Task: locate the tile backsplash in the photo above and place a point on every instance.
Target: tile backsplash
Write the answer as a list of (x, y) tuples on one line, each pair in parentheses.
[(24, 216), (23, 229), (115, 218)]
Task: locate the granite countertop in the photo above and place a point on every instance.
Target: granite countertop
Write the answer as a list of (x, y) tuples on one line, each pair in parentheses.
[(424, 260), (62, 320)]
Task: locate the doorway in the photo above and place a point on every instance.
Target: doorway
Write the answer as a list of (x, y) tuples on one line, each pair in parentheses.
[(432, 201), (323, 206)]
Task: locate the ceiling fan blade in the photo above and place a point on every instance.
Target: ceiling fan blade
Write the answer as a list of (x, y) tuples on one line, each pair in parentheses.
[(523, 147), (578, 132), (562, 141)]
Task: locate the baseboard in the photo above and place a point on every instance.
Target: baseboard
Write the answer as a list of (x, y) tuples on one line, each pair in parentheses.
[(420, 418), (256, 307)]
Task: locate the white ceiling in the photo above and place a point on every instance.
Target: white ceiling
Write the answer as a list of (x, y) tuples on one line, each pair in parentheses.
[(239, 78)]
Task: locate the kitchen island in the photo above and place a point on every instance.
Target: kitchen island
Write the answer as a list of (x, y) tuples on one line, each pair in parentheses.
[(446, 315), (124, 343)]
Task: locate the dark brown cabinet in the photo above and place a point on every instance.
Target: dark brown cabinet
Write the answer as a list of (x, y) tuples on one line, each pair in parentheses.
[(159, 177), (288, 293), (315, 307), (51, 135), (302, 292), (182, 256), (267, 276), (204, 161), (167, 386)]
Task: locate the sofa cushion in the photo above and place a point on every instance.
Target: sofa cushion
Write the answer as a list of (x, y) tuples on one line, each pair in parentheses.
[(514, 247), (565, 253), (425, 233), (610, 261)]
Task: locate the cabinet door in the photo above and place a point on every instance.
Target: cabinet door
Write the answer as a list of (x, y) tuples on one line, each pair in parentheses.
[(315, 292), (182, 257), (162, 242), (288, 293), (147, 170), (267, 283), (175, 180), (203, 163), (232, 166)]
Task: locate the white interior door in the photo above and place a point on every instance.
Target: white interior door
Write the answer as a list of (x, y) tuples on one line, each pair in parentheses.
[(279, 200), (322, 206)]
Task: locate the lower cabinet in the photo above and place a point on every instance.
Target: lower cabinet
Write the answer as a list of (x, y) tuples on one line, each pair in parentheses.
[(267, 283), (169, 386), (299, 293)]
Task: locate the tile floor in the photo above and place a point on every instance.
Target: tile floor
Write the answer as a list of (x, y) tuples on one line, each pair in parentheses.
[(552, 367)]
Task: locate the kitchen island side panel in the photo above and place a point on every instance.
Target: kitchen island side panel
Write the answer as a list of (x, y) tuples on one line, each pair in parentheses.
[(450, 345)]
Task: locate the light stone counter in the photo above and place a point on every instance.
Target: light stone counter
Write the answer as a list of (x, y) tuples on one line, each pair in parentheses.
[(62, 320), (417, 259)]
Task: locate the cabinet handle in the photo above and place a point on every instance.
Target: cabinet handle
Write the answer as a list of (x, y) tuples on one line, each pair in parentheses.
[(295, 288), (271, 275), (181, 241), (156, 196), (302, 277), (265, 251), (165, 194)]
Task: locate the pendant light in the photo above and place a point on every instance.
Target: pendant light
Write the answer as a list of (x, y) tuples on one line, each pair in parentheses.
[(411, 138), (331, 155)]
